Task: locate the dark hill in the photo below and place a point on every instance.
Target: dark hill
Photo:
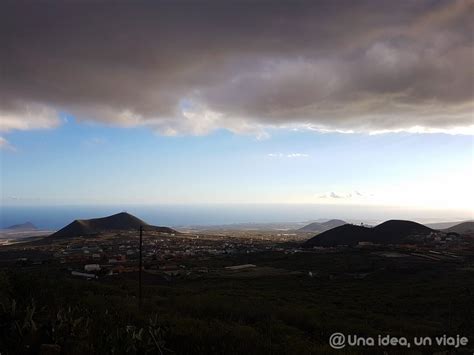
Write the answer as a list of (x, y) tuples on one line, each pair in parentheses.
[(347, 234), (27, 226), (390, 232), (396, 230), (118, 222), (461, 228), (321, 227)]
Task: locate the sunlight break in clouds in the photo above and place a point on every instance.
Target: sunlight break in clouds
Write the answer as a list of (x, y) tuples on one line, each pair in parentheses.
[(27, 116)]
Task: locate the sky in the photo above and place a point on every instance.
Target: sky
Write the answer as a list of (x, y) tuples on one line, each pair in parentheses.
[(336, 103)]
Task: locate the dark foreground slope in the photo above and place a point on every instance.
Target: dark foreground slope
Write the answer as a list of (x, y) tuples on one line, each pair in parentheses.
[(389, 232), (231, 313), (118, 222)]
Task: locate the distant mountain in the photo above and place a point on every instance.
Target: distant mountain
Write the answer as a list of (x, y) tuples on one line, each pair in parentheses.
[(389, 232), (312, 227), (118, 222), (461, 228), (324, 226), (443, 225), (333, 223), (27, 226)]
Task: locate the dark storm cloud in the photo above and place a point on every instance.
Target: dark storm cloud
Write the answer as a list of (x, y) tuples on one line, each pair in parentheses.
[(184, 67)]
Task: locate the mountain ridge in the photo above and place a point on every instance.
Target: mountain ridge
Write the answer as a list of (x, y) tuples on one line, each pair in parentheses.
[(23, 226)]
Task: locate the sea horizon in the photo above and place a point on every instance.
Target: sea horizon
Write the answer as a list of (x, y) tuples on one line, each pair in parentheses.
[(51, 217)]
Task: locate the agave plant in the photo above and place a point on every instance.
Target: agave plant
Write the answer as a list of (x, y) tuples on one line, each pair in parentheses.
[(156, 333), (18, 329)]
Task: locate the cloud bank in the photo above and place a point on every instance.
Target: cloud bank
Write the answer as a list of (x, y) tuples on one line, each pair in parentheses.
[(193, 67)]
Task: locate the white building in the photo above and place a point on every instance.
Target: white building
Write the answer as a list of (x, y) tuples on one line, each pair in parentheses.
[(82, 274), (92, 267), (240, 267)]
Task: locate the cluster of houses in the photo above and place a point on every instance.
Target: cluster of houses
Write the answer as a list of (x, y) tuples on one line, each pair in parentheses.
[(161, 255)]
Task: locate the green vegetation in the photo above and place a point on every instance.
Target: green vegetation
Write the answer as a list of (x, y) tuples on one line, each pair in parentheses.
[(217, 314)]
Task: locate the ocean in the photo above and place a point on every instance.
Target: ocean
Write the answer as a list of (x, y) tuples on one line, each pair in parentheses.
[(55, 217)]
